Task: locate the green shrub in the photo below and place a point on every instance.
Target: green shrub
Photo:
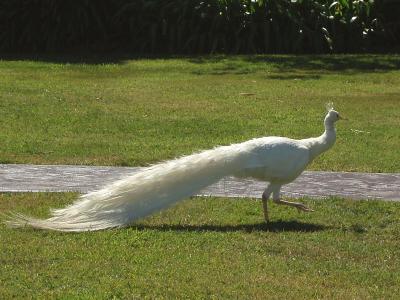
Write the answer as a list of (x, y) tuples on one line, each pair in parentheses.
[(389, 23), (191, 26), (54, 25)]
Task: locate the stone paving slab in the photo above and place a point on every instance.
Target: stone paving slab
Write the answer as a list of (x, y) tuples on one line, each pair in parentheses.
[(62, 178)]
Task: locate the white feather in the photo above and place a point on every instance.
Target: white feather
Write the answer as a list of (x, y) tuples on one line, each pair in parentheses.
[(329, 106), (274, 159)]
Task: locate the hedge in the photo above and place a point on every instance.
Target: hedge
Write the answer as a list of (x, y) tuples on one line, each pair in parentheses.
[(198, 27)]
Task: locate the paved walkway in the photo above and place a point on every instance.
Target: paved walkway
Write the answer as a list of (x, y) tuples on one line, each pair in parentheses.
[(38, 178)]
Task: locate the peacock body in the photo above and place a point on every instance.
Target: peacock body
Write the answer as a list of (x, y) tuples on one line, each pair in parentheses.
[(277, 160)]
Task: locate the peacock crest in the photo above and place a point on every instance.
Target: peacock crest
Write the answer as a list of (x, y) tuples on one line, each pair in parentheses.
[(329, 106)]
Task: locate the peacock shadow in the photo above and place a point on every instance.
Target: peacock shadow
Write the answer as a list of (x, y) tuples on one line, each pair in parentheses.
[(274, 226)]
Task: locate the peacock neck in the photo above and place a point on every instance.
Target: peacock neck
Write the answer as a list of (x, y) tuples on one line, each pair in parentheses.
[(322, 143)]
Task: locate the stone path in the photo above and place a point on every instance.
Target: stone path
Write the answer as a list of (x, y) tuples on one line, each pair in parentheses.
[(58, 178)]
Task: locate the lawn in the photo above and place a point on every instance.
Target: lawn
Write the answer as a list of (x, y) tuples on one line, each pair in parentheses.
[(124, 111), (209, 248), (138, 111)]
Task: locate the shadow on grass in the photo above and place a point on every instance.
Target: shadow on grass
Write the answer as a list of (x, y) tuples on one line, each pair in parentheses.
[(70, 58), (276, 226), (237, 64), (291, 63), (362, 62), (294, 77)]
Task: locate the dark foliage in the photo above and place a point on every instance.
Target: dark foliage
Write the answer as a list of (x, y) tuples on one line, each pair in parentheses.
[(197, 27)]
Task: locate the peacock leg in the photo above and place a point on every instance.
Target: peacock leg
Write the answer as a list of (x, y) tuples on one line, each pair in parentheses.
[(265, 197), (277, 199)]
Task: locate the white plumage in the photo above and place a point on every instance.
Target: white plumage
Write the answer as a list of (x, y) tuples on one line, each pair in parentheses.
[(277, 160)]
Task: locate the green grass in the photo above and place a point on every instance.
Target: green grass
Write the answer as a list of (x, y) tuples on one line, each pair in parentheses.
[(138, 111), (208, 248)]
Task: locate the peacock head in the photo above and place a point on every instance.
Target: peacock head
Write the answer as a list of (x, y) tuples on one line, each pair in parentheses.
[(332, 116)]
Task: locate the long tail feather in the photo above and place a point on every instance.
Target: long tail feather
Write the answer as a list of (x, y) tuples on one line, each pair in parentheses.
[(136, 196)]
